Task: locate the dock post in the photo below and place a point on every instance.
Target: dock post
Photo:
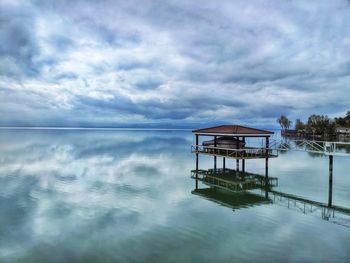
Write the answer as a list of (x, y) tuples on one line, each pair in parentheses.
[(267, 168), (215, 153), (267, 161), (224, 164), (330, 185)]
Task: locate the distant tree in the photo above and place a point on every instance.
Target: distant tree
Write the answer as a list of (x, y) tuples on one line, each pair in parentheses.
[(340, 121), (343, 121), (347, 117), (331, 128), (321, 125), (284, 122), (299, 125)]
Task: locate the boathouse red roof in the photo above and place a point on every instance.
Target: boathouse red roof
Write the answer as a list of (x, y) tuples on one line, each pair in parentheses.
[(233, 130)]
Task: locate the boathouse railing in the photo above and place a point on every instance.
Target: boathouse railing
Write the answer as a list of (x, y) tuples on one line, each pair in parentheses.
[(244, 153)]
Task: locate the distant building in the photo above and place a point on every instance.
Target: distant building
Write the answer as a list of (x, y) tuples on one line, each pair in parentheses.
[(343, 131)]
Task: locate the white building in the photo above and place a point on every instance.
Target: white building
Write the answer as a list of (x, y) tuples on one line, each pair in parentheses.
[(343, 130)]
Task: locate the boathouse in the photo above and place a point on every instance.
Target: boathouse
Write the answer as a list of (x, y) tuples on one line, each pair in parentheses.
[(229, 141)]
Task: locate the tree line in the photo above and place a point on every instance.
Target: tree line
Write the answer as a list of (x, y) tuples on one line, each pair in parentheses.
[(316, 124)]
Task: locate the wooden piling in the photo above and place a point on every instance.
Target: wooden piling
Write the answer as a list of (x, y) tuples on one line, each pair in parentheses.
[(330, 185), (267, 160)]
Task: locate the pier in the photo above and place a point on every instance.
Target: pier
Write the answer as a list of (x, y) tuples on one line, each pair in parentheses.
[(326, 148)]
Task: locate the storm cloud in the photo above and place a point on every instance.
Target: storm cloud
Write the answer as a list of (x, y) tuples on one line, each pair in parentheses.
[(178, 63)]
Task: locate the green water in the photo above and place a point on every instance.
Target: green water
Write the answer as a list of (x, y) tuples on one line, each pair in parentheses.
[(128, 196)]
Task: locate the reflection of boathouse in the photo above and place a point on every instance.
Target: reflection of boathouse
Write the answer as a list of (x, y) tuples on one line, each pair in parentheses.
[(243, 190), (231, 180), (232, 200)]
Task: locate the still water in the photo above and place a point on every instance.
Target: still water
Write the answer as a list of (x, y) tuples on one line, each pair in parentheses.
[(128, 196)]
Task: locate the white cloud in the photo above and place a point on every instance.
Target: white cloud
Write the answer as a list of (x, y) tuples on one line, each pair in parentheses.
[(182, 62)]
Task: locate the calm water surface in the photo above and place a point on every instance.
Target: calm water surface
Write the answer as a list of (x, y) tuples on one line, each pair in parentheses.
[(126, 196)]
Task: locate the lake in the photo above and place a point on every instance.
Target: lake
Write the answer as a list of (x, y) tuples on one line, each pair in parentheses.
[(128, 196)]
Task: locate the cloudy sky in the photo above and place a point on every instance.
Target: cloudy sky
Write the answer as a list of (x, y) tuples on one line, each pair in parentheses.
[(172, 63)]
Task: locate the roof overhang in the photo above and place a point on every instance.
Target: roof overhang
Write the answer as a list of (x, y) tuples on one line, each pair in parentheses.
[(233, 130), (233, 135)]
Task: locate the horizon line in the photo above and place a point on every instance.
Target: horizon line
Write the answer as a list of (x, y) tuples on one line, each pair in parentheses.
[(83, 128), (97, 128)]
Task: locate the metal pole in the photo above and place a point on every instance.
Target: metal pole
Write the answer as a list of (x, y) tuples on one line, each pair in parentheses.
[(330, 185), (215, 153), (223, 163)]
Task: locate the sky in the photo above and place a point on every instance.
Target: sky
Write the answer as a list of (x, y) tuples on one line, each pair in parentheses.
[(172, 63)]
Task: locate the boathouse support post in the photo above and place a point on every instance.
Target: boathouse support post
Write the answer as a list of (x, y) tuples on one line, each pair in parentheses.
[(215, 153), (196, 153), (237, 160), (197, 161), (243, 160), (330, 185), (267, 160)]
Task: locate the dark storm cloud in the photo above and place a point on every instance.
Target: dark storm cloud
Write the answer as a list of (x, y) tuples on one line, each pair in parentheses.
[(149, 109), (173, 61), (18, 43)]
